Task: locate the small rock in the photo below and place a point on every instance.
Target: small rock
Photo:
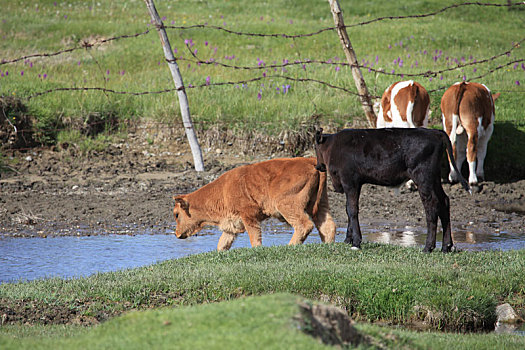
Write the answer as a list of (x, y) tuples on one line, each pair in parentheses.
[(29, 158), (506, 314)]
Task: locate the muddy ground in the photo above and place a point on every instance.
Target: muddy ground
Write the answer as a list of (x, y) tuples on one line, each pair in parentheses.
[(128, 189)]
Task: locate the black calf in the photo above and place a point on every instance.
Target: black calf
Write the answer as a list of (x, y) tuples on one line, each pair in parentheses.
[(389, 157)]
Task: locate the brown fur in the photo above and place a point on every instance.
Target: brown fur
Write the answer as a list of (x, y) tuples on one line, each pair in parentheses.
[(416, 93), (470, 101), (290, 189)]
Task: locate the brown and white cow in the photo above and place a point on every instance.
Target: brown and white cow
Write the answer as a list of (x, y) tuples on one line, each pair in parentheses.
[(405, 104), (290, 189), (468, 119)]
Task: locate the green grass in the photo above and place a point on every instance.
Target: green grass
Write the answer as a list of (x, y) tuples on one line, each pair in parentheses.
[(380, 283), (137, 64), (459, 35), (264, 322)]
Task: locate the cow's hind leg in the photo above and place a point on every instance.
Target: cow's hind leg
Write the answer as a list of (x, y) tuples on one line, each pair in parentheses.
[(324, 222), (226, 241), (430, 202), (444, 215), (353, 231), (482, 151), (298, 219)]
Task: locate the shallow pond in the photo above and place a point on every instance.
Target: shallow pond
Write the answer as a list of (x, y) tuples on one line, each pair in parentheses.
[(70, 256)]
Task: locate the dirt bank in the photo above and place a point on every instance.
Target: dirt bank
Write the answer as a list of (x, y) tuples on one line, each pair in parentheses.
[(128, 189)]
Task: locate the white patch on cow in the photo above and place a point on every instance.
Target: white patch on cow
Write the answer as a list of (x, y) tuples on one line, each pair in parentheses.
[(410, 109), (397, 121), (472, 179), (483, 141)]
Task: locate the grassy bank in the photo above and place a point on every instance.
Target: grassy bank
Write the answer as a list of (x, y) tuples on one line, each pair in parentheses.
[(380, 283), (266, 322)]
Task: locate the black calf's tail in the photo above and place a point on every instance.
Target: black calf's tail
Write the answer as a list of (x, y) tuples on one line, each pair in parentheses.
[(448, 147)]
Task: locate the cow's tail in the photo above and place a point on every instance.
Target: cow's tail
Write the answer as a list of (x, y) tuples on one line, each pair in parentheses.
[(448, 146), (321, 189), (459, 96)]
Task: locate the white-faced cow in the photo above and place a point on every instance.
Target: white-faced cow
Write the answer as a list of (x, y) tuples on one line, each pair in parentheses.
[(405, 104), (468, 119), (388, 157), (290, 189)]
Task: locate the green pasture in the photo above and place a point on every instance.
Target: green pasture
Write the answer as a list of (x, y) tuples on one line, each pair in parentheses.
[(406, 46), (454, 41), (201, 299)]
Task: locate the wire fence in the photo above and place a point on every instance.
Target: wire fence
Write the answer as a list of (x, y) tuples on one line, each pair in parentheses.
[(194, 58)]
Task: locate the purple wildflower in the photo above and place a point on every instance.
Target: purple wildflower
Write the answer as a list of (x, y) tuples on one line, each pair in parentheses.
[(518, 82), (337, 68), (208, 80), (259, 95), (22, 73)]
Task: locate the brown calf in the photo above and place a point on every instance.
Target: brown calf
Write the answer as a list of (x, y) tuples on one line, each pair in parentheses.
[(290, 189), (468, 119)]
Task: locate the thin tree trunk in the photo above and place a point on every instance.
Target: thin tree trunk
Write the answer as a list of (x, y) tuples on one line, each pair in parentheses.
[(177, 78), (352, 60)]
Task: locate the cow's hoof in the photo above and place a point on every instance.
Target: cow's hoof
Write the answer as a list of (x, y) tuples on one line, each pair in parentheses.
[(428, 250), (448, 249)]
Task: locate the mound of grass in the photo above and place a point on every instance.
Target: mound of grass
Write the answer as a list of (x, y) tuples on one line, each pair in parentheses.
[(264, 322)]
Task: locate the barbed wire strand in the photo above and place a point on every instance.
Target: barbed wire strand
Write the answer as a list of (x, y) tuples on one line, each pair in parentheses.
[(83, 45)]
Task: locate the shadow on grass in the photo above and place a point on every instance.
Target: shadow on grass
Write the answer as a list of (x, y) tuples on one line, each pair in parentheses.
[(505, 161)]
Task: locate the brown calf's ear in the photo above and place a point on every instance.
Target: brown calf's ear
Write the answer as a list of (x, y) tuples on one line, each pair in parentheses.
[(182, 202), (495, 96), (319, 136)]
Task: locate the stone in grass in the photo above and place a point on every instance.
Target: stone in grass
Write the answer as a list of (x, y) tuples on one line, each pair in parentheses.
[(331, 324), (506, 314)]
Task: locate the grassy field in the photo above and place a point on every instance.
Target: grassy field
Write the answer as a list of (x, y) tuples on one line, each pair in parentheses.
[(404, 46), (381, 283), (455, 41)]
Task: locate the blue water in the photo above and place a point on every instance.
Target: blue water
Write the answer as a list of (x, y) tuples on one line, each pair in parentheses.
[(70, 256)]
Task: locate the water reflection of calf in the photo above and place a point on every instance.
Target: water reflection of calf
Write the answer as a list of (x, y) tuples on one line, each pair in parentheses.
[(464, 237)]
